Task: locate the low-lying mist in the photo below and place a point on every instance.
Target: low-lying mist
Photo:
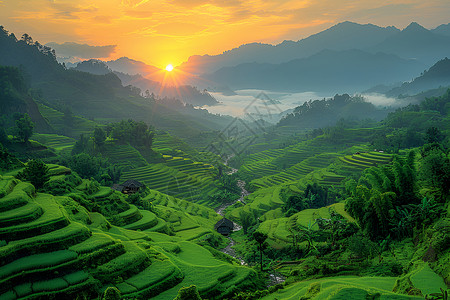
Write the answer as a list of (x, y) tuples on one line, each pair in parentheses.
[(273, 104)]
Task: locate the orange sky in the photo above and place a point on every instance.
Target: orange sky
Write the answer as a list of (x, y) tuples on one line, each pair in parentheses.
[(160, 32)]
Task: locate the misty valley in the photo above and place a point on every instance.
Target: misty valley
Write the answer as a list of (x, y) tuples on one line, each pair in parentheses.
[(309, 169)]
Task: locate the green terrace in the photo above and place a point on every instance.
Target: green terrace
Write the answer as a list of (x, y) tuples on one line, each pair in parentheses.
[(195, 186), (60, 143), (46, 253)]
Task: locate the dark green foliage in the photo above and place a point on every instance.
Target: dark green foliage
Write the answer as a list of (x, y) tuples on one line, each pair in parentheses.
[(247, 220), (188, 293), (85, 165), (440, 104), (435, 170), (81, 145), (112, 293), (7, 160), (224, 196), (294, 204), (62, 186), (326, 112), (316, 196), (99, 137), (434, 135), (24, 128), (362, 247), (135, 133), (378, 202), (35, 172)]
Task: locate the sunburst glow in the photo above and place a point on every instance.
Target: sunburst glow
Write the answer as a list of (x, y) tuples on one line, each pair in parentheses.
[(169, 68)]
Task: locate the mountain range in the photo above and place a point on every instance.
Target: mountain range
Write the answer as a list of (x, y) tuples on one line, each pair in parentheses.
[(347, 57)]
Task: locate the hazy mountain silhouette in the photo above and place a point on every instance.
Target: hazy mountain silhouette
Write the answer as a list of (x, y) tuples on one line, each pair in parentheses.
[(343, 36), (443, 29), (185, 93), (437, 76), (132, 67), (416, 42), (327, 71)]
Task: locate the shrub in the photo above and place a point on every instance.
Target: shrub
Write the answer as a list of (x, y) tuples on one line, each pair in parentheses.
[(188, 293), (112, 293)]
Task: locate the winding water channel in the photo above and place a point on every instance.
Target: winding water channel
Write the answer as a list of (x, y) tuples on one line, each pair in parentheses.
[(273, 278)]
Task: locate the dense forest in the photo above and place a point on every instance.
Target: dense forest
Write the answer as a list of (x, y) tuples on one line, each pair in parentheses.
[(107, 192)]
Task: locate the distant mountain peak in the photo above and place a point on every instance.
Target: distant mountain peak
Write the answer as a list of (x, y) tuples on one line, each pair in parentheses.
[(414, 27)]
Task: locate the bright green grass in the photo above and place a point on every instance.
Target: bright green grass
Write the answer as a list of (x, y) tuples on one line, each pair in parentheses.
[(7, 184), (95, 242), (203, 270), (426, 280), (55, 170), (147, 221), (127, 263), (37, 261), (23, 214), (341, 287), (53, 218), (277, 229), (260, 201), (56, 239), (103, 192)]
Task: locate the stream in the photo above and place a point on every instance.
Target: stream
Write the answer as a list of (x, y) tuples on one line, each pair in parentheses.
[(273, 278)]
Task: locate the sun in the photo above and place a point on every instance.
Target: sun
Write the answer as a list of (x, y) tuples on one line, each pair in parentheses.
[(169, 68)]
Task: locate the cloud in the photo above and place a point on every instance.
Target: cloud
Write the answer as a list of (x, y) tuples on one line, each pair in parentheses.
[(82, 50)]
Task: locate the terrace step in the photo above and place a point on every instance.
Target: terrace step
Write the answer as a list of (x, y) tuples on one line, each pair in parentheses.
[(147, 221), (23, 214), (52, 219), (56, 240), (132, 261)]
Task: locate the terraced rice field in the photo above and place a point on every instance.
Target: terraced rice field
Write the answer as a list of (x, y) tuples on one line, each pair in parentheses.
[(46, 254), (56, 120), (276, 166), (125, 156), (341, 287), (297, 171), (61, 143), (366, 160), (169, 180), (259, 202)]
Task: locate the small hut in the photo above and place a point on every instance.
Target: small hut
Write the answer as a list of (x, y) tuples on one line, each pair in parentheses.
[(224, 226), (128, 187)]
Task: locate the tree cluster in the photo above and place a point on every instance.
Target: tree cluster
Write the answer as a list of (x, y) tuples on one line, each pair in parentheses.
[(133, 132)]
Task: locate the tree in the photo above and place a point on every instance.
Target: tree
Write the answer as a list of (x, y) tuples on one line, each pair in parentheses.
[(99, 137), (294, 204), (260, 238), (85, 165), (435, 171), (433, 135), (36, 172), (247, 220), (24, 128), (112, 293), (188, 293)]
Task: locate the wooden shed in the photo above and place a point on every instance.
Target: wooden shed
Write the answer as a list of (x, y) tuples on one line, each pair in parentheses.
[(224, 226), (128, 187)]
